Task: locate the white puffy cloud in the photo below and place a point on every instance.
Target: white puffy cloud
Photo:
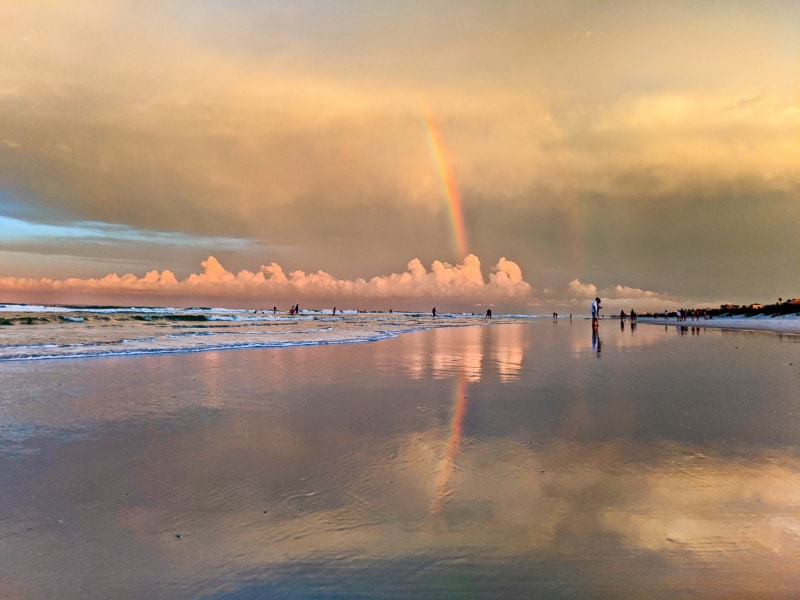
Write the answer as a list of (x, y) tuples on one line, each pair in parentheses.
[(582, 290), (614, 297), (460, 284), (623, 292)]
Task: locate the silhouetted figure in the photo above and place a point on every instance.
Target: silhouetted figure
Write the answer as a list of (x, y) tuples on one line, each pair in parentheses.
[(489, 313), (433, 312)]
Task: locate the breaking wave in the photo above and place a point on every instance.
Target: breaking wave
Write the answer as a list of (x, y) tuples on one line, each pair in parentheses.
[(30, 332)]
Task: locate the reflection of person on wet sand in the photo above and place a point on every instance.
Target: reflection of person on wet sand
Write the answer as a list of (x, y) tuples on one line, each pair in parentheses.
[(596, 343), (596, 313)]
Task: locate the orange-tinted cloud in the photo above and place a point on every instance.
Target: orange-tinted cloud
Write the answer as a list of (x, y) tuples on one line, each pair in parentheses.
[(462, 283), (301, 128)]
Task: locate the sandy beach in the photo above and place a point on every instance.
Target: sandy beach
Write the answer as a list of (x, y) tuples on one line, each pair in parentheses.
[(781, 324), (337, 300), (516, 460)]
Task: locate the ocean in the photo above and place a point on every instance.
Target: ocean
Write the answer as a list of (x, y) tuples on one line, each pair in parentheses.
[(31, 332), (457, 458)]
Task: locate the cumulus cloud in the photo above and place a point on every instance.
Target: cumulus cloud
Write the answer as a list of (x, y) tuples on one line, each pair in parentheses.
[(233, 122), (623, 292), (577, 293), (578, 290), (460, 284), (582, 290), (455, 286)]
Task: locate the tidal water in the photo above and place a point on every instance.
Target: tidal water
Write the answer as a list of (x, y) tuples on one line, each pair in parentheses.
[(529, 459), (29, 332)]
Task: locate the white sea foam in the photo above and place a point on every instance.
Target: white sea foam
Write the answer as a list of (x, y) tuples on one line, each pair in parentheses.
[(36, 332), (47, 332)]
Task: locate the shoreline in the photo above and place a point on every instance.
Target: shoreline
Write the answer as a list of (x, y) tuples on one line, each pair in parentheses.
[(781, 325), (327, 470)]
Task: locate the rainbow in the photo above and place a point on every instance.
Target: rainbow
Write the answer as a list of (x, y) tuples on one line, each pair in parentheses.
[(448, 179)]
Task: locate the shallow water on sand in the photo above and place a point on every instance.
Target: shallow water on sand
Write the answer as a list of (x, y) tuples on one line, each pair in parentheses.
[(515, 461)]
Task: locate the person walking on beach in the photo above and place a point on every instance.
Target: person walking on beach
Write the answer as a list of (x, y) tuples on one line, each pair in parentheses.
[(433, 312), (488, 313), (596, 312)]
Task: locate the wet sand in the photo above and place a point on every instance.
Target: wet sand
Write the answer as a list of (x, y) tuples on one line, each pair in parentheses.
[(776, 324), (510, 461)]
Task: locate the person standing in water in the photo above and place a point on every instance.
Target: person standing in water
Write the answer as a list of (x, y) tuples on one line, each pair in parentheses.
[(596, 312)]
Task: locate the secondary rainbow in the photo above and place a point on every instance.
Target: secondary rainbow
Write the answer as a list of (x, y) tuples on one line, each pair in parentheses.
[(448, 179)]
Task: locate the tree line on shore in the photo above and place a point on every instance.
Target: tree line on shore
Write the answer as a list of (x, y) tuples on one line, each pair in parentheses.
[(781, 307)]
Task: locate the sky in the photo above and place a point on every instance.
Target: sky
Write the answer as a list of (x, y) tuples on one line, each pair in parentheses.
[(525, 156)]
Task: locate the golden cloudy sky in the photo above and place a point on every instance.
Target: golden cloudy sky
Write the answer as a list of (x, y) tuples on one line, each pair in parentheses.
[(261, 152)]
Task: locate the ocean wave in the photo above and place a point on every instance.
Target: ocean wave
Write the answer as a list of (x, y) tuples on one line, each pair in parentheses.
[(52, 332), (75, 352), (68, 319)]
